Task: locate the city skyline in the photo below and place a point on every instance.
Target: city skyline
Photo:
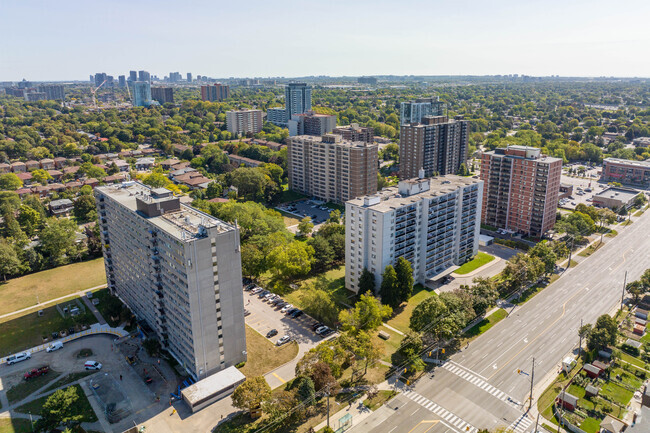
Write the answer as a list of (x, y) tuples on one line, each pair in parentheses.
[(416, 38)]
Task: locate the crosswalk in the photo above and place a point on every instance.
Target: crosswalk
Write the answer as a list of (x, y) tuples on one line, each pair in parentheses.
[(521, 424), (447, 418), (479, 381)]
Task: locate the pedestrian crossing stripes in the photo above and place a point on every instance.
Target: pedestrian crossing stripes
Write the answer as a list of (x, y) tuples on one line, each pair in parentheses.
[(447, 418), (521, 424), (476, 380)]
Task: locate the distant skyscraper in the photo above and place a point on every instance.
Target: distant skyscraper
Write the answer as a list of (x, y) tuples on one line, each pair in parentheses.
[(414, 111), (133, 76), (354, 132), (141, 94), (92, 78), (189, 77), (100, 77), (216, 92), (35, 96), (121, 80), (162, 94), (297, 97), (52, 91), (174, 77), (144, 76), (367, 80), (438, 145)]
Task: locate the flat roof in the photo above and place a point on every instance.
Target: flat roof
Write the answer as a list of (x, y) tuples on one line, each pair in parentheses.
[(391, 199), (211, 385), (184, 223), (641, 164), (623, 194)]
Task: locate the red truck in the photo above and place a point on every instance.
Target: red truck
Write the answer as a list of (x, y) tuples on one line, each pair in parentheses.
[(36, 372)]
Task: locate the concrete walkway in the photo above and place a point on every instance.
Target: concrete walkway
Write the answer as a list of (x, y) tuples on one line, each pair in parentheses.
[(94, 310)]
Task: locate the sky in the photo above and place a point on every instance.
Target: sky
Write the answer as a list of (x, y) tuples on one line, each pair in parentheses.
[(69, 39)]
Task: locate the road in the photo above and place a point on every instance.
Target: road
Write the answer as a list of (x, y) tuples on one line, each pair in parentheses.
[(480, 386)]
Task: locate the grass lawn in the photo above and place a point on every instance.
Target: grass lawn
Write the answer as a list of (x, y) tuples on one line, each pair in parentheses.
[(478, 261), (15, 425), (28, 387), (81, 408), (378, 400), (616, 393), (401, 320), (611, 233), (23, 332), (486, 323), (590, 250), (631, 359), (51, 284), (264, 356), (590, 425), (68, 378), (289, 220), (332, 281), (391, 345), (626, 223), (289, 195)]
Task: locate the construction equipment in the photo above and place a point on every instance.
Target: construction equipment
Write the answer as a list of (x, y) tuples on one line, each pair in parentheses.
[(95, 91)]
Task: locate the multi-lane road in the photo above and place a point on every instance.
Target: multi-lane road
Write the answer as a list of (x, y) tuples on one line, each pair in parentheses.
[(480, 387)]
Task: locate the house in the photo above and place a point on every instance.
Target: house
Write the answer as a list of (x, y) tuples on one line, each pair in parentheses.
[(239, 160), (641, 313), (219, 200), (180, 165), (166, 164), (591, 391), (570, 402), (4, 168), (601, 365), (592, 371), (92, 182), (22, 192), (73, 169), (57, 187), (121, 165), (181, 171), (47, 164), (71, 185), (61, 207), (116, 178), (612, 425), (60, 162), (639, 329), (18, 167), (56, 174), (180, 148), (42, 190), (26, 177), (144, 163), (605, 353), (633, 343), (32, 165)]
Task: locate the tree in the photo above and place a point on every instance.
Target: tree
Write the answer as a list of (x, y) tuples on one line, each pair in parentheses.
[(411, 349), (305, 390), (29, 219), (213, 190), (484, 294), (361, 346), (10, 263), (603, 333), (84, 208), (58, 239), (319, 304), (367, 315), (605, 217), (522, 270), (322, 376), (41, 176), (60, 408), (645, 279), (367, 281), (335, 217), (156, 179), (324, 256), (462, 170), (636, 289), (405, 281), (431, 316), (293, 260), (10, 182), (545, 253), (251, 183), (305, 226), (390, 152), (389, 289), (251, 394), (252, 260)]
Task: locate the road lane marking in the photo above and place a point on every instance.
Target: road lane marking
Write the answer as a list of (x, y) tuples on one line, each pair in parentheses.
[(447, 417), (279, 378), (432, 422), (483, 384)]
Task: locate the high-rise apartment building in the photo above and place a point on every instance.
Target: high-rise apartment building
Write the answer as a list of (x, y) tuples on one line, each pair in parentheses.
[(331, 169), (133, 76), (277, 116), (216, 92), (438, 145), (521, 189), (144, 76), (433, 223), (297, 99), (244, 121), (189, 77), (35, 96), (52, 91), (162, 94), (100, 77), (121, 80), (178, 270), (354, 132), (311, 123), (141, 94), (415, 111), (174, 77)]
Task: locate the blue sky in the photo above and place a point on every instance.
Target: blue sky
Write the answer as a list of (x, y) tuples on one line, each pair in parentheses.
[(65, 40)]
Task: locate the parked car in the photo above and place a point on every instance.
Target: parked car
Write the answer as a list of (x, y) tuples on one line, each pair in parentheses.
[(54, 346), (321, 329), (22, 356), (296, 314), (316, 325), (250, 286), (327, 332), (281, 304), (277, 300), (291, 311), (263, 293), (283, 340), (286, 308), (246, 312), (36, 372), (92, 365), (272, 333), (256, 290)]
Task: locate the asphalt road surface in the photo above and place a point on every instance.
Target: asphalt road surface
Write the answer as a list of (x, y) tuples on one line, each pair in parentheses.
[(480, 387)]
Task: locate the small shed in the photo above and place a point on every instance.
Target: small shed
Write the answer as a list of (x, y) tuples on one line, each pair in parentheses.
[(639, 321), (592, 371), (639, 329), (605, 353), (645, 398), (485, 240), (570, 402), (612, 425), (601, 365), (641, 313), (567, 364), (591, 391), (215, 387), (633, 343)]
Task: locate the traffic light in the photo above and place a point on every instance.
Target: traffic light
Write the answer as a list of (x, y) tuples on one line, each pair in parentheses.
[(408, 382)]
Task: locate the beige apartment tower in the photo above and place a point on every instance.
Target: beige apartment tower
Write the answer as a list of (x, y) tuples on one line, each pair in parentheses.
[(244, 121), (331, 169)]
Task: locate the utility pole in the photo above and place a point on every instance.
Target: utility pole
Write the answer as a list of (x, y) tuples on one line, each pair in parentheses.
[(537, 422), (623, 294), (532, 380), (328, 406), (580, 334)]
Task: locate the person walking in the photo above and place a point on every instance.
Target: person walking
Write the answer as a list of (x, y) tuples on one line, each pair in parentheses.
[(120, 377)]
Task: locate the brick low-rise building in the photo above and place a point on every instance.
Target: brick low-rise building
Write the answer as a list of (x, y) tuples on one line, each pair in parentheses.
[(626, 171)]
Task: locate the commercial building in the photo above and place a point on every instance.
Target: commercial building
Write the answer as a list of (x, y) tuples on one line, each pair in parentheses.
[(331, 169), (354, 132), (616, 197), (244, 121), (178, 270), (141, 94), (415, 111), (163, 94), (438, 144), (311, 123), (626, 171), (521, 189), (52, 91), (433, 223), (216, 92), (175, 77)]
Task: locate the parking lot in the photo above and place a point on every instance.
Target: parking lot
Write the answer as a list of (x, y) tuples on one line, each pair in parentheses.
[(585, 183), (316, 210)]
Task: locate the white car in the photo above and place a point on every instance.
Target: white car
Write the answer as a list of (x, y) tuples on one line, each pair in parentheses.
[(22, 356), (54, 346), (283, 340), (286, 308), (92, 365)]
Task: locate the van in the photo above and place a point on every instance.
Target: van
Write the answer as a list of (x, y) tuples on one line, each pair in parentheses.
[(22, 356), (54, 346), (92, 365)]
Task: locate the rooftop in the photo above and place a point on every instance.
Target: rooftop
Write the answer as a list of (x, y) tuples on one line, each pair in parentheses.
[(624, 194), (212, 384), (412, 191), (181, 221), (640, 164), (333, 139)]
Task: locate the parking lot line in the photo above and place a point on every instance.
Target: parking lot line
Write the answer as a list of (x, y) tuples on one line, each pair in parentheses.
[(279, 378)]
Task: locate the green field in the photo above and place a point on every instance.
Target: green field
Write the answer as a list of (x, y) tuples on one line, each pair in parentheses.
[(263, 355), (15, 425), (81, 408), (27, 387), (23, 292), (401, 320), (486, 323), (478, 261)]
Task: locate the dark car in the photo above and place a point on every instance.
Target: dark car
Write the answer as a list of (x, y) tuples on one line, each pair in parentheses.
[(246, 280), (277, 300), (281, 304), (316, 325), (148, 380), (250, 286), (246, 313), (296, 314), (327, 332), (70, 331), (271, 333), (291, 311), (263, 293)]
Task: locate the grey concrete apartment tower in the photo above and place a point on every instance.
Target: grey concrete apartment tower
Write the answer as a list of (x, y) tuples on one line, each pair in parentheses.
[(438, 145), (433, 223), (178, 270)]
